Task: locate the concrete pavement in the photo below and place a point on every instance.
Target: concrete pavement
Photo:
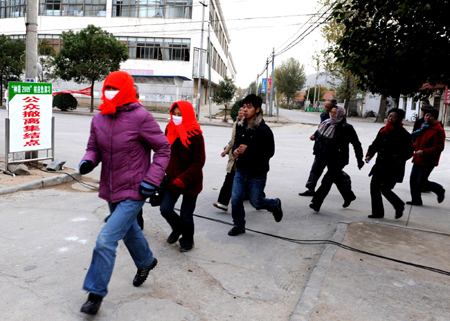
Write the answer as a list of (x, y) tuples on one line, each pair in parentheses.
[(49, 235)]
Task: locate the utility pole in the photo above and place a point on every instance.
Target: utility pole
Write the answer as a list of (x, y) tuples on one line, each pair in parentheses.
[(200, 64), (209, 68), (267, 84), (273, 83), (31, 53), (32, 39), (256, 90)]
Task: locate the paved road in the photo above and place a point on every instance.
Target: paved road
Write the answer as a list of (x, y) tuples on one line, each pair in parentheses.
[(49, 235)]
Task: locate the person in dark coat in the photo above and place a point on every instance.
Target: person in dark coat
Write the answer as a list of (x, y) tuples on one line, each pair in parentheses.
[(428, 148), (253, 148), (394, 147), (332, 140), (122, 137), (184, 173)]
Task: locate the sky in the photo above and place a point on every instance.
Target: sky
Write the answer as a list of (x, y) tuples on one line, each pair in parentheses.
[(257, 26)]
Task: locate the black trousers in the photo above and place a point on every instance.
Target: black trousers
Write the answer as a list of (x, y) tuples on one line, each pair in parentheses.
[(333, 175), (317, 169), (227, 187), (379, 185)]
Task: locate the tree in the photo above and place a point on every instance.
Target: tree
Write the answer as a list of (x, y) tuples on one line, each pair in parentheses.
[(290, 78), (224, 93), (46, 59), (319, 91), (89, 56), (11, 64), (394, 47), (240, 93)]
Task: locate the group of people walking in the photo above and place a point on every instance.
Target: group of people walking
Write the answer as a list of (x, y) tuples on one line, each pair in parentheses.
[(394, 145), (124, 134)]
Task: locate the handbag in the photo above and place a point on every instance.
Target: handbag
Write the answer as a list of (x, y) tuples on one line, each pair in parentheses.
[(156, 198)]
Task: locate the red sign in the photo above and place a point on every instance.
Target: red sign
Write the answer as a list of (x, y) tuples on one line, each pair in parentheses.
[(31, 115), (447, 96), (85, 91)]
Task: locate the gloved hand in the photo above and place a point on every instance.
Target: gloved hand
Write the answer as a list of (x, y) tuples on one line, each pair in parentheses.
[(179, 183), (360, 164), (146, 189), (86, 166)]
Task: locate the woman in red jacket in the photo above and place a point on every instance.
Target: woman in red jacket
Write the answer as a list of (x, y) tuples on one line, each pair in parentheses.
[(184, 173), (428, 148)]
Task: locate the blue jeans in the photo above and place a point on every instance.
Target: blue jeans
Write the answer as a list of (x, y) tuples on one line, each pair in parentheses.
[(419, 180), (254, 187), (121, 225), (182, 224)]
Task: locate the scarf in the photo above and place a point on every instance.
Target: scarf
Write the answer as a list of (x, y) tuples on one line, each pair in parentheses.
[(424, 127), (328, 126), (189, 126), (389, 127), (127, 93)]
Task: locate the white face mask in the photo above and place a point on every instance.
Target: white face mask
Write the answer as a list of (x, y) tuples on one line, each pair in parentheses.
[(177, 119), (110, 94)]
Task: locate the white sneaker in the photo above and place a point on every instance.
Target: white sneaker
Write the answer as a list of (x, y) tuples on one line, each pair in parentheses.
[(221, 206)]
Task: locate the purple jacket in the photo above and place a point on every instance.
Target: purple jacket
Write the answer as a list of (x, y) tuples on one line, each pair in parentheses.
[(122, 142)]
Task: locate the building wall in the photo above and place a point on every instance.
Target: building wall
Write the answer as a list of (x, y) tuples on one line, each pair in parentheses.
[(141, 27)]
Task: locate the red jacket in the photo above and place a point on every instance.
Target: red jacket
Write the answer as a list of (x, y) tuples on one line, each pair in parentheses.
[(186, 164), (432, 142)]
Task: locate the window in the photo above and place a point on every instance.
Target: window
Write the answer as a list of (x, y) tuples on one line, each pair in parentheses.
[(157, 48), (94, 8), (13, 8), (52, 40), (152, 8)]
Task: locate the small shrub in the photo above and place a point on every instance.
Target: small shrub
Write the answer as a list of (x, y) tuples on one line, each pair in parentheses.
[(65, 102), (235, 110)]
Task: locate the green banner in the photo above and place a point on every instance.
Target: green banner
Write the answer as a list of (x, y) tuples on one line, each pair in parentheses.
[(28, 88)]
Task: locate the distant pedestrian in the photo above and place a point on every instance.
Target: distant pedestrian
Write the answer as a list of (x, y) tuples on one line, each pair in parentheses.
[(122, 137), (319, 164), (227, 187), (332, 140), (394, 147), (184, 173), (253, 148), (428, 148)]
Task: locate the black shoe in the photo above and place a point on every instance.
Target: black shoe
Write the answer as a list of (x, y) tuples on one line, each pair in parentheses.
[(107, 218), (315, 207), (142, 274), (186, 248), (347, 202), (307, 193), (399, 212), (441, 196), (236, 230), (278, 214), (92, 305), (173, 237), (375, 216), (414, 203)]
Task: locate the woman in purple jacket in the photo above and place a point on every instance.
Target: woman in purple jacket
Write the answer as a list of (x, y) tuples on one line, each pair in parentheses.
[(122, 136)]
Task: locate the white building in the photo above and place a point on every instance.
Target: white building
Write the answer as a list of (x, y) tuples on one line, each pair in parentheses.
[(162, 36)]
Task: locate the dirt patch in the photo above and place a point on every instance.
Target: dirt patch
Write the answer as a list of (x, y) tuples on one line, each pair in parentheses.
[(37, 172)]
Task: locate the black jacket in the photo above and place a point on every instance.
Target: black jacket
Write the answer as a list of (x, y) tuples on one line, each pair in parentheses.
[(336, 149), (324, 116), (260, 146), (393, 149)]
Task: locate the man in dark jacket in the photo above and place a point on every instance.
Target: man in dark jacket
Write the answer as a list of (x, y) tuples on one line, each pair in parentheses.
[(394, 147), (253, 147), (428, 148)]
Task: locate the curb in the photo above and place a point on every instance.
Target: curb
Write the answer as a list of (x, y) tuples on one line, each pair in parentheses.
[(311, 292), (45, 182)]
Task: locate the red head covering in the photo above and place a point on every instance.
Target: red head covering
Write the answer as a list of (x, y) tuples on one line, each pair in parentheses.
[(127, 93), (188, 127)]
